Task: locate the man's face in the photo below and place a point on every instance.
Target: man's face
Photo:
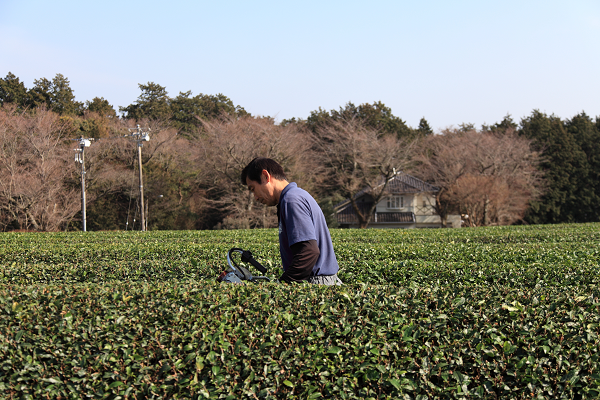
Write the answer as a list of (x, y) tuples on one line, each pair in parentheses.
[(263, 192)]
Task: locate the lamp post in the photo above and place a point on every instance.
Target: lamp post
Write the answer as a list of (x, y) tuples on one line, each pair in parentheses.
[(140, 136), (80, 158)]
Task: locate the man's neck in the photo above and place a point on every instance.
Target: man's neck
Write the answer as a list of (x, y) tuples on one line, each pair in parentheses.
[(278, 187)]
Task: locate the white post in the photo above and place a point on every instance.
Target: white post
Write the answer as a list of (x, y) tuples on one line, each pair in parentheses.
[(83, 215), (140, 136), (141, 187)]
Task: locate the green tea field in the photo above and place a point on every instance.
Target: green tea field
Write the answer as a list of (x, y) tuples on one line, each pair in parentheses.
[(495, 313)]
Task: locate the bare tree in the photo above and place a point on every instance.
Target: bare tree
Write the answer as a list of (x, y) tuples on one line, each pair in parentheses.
[(167, 174), (356, 157), (170, 174), (229, 145), (489, 176), (35, 161)]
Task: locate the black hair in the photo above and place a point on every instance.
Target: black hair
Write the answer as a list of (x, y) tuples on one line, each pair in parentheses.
[(255, 168)]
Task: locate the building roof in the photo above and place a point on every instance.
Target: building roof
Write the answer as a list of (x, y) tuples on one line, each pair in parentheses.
[(404, 183)]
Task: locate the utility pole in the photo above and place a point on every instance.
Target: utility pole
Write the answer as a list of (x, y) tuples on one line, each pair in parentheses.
[(140, 136), (80, 158)]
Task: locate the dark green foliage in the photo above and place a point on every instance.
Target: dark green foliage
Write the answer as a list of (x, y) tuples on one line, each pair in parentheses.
[(587, 136), (152, 103), (40, 93), (292, 121), (519, 257), (92, 127), (168, 190), (188, 112), (101, 106), (63, 99), (12, 91), (108, 212), (570, 167), (424, 129), (317, 119), (361, 341), (466, 126), (139, 315), (505, 125), (376, 116), (56, 95), (184, 112)]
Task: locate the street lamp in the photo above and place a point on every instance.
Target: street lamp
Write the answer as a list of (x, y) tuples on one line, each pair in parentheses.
[(80, 158), (140, 136)]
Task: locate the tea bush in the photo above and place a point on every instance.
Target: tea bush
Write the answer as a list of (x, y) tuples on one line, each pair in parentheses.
[(509, 312)]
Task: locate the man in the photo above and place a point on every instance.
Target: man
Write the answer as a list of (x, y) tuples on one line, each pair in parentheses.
[(304, 240)]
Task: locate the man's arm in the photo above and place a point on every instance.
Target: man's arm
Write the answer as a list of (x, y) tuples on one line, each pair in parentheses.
[(305, 255)]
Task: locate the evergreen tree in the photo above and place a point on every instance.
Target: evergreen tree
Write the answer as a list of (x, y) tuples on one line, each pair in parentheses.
[(565, 170), (40, 94), (293, 121), (318, 118), (55, 94), (12, 90), (62, 97), (184, 111), (506, 124), (101, 106), (214, 106), (587, 135), (466, 127), (187, 111), (376, 116), (424, 129), (503, 126), (152, 103)]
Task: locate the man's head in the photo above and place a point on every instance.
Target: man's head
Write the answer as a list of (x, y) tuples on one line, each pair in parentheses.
[(265, 179), (254, 170)]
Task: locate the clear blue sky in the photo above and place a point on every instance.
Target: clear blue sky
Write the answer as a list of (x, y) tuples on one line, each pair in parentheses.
[(448, 61)]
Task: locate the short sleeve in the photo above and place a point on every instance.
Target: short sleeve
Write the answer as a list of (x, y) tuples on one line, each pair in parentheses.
[(299, 222)]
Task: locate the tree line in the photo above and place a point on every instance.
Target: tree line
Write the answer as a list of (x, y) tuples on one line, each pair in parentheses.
[(541, 170)]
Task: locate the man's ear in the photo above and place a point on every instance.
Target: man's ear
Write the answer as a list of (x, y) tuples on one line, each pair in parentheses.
[(265, 177)]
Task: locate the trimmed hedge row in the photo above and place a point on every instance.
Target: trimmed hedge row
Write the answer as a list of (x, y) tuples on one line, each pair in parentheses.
[(519, 257), (507, 312), (205, 340)]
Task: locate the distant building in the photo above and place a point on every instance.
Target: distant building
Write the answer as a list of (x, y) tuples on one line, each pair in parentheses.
[(409, 204)]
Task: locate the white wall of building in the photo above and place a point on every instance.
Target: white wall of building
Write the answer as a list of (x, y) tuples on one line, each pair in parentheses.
[(420, 204)]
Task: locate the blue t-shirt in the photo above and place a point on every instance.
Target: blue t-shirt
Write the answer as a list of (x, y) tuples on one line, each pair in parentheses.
[(301, 219)]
